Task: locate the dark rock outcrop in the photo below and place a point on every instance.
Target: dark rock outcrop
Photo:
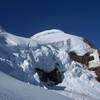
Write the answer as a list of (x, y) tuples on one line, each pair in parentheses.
[(55, 76), (81, 59), (85, 60), (97, 72)]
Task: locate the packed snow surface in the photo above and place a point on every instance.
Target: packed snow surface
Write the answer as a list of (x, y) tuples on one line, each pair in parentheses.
[(12, 89), (20, 56)]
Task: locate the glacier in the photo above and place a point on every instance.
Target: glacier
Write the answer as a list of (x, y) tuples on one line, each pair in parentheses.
[(19, 56)]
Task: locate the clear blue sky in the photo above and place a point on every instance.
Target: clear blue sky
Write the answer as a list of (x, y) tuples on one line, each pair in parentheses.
[(27, 17)]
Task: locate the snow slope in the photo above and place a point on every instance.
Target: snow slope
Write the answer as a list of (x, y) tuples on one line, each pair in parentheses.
[(20, 56), (59, 39), (13, 89)]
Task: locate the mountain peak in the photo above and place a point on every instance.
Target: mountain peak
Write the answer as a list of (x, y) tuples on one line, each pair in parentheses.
[(47, 32)]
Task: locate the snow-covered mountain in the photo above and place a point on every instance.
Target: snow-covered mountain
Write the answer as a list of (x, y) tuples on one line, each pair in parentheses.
[(19, 57)]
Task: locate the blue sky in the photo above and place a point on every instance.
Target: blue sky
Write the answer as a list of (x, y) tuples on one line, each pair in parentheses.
[(27, 17)]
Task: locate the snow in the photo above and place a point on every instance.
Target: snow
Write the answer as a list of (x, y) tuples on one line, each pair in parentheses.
[(13, 40), (12, 89), (56, 37), (20, 56), (96, 61)]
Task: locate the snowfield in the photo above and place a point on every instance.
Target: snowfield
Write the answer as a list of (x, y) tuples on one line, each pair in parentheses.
[(20, 56), (12, 89)]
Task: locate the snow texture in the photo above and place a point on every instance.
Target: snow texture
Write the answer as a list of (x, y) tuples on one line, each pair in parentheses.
[(20, 56)]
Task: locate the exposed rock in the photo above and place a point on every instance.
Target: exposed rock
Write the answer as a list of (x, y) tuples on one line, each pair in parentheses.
[(81, 59), (97, 72), (43, 76), (55, 76), (85, 60)]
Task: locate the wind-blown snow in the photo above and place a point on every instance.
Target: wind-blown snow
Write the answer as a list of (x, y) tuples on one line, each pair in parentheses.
[(20, 56)]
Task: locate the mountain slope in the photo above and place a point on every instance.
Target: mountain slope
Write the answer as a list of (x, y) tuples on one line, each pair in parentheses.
[(12, 89), (19, 57)]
